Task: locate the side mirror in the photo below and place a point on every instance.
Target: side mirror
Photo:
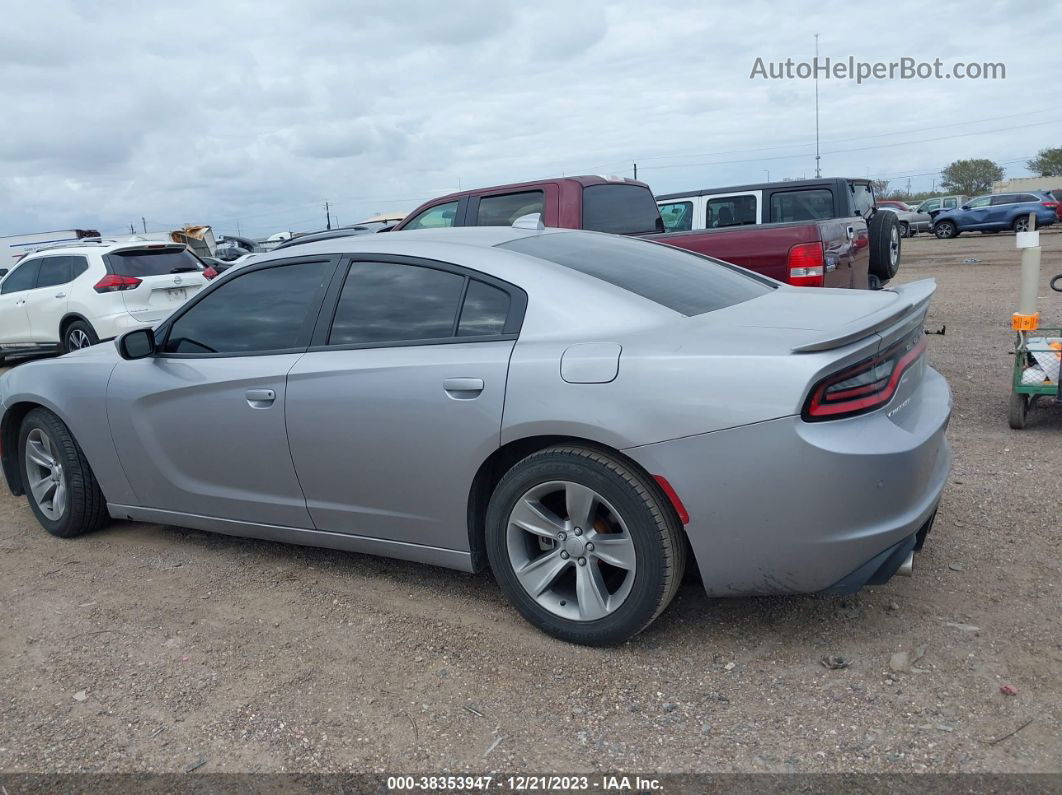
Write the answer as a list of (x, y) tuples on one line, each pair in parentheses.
[(136, 344), (965, 207)]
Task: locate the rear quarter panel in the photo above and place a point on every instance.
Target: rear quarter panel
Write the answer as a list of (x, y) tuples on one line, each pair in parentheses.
[(847, 253)]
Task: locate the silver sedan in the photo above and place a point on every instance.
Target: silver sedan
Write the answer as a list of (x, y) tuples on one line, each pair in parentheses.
[(579, 412)]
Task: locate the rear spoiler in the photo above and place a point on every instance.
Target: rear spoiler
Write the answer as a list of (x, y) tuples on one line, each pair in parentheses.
[(911, 298)]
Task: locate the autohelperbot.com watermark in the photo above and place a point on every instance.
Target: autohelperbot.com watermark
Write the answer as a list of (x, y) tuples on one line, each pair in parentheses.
[(850, 68)]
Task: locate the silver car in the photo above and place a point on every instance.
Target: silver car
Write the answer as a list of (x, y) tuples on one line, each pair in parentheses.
[(580, 412)]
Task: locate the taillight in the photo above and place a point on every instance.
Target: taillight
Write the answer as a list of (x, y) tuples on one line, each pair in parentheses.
[(864, 386), (209, 273), (1051, 206), (113, 283), (806, 265)]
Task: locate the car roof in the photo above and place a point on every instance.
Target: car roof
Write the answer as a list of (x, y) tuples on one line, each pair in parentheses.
[(586, 180)]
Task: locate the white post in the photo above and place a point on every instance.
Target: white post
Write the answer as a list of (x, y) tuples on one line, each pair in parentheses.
[(1029, 243)]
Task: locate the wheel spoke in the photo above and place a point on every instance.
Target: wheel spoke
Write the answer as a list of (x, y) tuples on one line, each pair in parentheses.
[(616, 550), (538, 574), (591, 592), (580, 502), (59, 496), (535, 518), (35, 453), (41, 488)]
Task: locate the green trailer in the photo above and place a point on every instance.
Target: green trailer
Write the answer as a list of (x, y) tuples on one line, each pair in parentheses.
[(1037, 376)]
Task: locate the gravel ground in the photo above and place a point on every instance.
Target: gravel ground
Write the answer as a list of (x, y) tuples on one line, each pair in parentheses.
[(147, 648)]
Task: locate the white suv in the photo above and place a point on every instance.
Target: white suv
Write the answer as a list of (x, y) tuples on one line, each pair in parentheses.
[(71, 296)]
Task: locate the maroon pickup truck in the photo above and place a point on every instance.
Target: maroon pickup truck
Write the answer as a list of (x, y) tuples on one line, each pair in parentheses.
[(811, 233)]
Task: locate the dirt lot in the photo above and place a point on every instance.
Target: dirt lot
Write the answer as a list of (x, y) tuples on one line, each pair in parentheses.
[(153, 648)]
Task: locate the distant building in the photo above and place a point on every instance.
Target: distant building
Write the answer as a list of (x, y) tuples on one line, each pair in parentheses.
[(1027, 183)]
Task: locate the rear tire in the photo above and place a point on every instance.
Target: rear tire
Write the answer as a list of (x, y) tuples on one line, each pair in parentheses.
[(1017, 411), (78, 335), (905, 229), (884, 245), (566, 587), (1021, 224), (60, 487), (945, 230)]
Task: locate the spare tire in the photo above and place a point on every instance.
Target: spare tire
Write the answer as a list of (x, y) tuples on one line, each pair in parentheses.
[(884, 245)]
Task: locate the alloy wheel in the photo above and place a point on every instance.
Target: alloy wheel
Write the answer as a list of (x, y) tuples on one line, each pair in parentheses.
[(47, 481), (571, 551), (77, 339), (894, 248), (1022, 224)]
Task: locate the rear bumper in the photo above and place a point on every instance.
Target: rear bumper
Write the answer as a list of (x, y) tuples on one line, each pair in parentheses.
[(786, 506), (110, 326)]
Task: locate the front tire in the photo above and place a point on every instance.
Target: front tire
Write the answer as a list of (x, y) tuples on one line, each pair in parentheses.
[(905, 229), (78, 335), (1021, 224), (585, 548), (945, 230), (60, 487)]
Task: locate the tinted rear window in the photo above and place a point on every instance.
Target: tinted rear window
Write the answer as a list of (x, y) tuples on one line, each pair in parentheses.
[(815, 204), (620, 209), (151, 262), (685, 282)]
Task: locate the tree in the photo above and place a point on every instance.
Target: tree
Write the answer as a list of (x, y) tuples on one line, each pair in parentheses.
[(881, 187), (1047, 163), (970, 177)]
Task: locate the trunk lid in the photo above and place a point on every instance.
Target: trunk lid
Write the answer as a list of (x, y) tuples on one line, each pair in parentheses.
[(169, 275)]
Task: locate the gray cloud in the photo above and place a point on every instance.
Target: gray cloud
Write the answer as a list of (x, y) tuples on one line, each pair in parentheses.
[(257, 112)]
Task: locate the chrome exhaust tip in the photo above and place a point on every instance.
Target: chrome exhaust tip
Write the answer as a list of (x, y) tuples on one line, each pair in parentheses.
[(907, 567)]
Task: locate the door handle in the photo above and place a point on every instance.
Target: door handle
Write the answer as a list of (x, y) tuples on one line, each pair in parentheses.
[(260, 398), (463, 388), (851, 233), (60, 295)]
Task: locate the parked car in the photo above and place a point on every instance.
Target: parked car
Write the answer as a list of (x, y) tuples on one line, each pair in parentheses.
[(809, 233), (570, 409), (59, 299), (911, 222), (328, 234), (822, 232), (899, 205), (938, 204), (997, 212)]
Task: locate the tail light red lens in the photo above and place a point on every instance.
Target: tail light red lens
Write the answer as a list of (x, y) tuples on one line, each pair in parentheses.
[(806, 265), (209, 273), (113, 283), (866, 385)]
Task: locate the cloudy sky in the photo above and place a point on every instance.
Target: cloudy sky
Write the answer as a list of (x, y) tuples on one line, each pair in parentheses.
[(255, 113)]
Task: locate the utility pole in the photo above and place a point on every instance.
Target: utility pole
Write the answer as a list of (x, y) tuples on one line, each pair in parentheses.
[(238, 232), (328, 217), (144, 223), (818, 171), (767, 171), (132, 229), (636, 170)]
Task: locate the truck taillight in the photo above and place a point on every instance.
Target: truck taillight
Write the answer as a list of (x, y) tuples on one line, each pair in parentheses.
[(806, 265), (866, 385), (113, 283), (209, 273)]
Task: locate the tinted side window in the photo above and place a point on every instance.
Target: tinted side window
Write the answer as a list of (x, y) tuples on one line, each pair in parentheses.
[(1028, 197), (24, 277), (503, 210), (391, 302), (802, 205), (54, 271), (951, 204), (981, 201), (484, 311), (731, 211), (266, 310), (78, 266), (932, 204), (435, 217), (1005, 198), (678, 216), (620, 209)]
